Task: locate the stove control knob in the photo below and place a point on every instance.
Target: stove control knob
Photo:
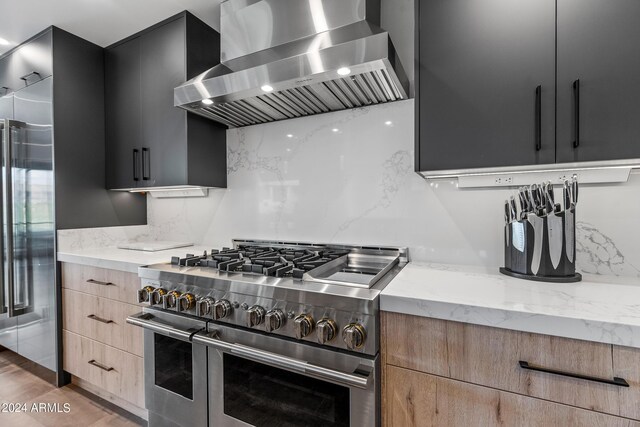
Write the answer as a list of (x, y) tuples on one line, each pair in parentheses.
[(303, 325), (157, 296), (204, 307), (274, 319), (255, 315), (144, 294), (186, 302), (221, 309), (326, 330), (171, 299), (354, 336)]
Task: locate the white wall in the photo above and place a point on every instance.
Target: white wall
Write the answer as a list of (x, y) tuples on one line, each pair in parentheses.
[(357, 185)]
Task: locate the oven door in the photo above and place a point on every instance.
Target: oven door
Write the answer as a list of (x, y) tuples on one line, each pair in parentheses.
[(259, 380), (175, 370)]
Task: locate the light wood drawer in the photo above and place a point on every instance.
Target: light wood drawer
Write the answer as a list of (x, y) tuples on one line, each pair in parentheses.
[(112, 284), (119, 372), (490, 357), (101, 319), (421, 400)]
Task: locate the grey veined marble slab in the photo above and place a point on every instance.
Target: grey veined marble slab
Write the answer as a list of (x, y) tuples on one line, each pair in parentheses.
[(601, 309)]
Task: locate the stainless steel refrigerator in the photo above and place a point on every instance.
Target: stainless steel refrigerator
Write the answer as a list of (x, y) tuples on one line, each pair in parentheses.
[(27, 235)]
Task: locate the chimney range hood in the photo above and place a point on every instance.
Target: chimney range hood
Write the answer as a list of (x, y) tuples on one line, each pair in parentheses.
[(282, 59)]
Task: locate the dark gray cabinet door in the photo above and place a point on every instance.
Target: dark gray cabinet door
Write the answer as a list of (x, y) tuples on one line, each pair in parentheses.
[(26, 65), (479, 64), (164, 128), (123, 103), (599, 45)]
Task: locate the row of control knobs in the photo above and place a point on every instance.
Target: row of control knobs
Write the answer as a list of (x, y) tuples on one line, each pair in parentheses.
[(353, 335)]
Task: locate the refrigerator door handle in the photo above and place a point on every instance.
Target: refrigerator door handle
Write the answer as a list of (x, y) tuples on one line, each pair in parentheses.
[(8, 208), (5, 137)]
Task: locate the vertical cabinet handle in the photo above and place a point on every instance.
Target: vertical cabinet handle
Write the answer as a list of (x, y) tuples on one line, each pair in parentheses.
[(146, 164), (136, 158), (576, 108), (538, 130)]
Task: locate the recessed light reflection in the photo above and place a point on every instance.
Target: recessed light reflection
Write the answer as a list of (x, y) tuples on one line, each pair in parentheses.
[(207, 101), (4, 42), (388, 123), (344, 71), (335, 130), (289, 136), (267, 88)]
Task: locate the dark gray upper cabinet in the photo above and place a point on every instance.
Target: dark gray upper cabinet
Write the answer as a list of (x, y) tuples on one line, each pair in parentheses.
[(479, 66), (29, 63), (56, 87), (599, 45), (123, 101), (151, 143)]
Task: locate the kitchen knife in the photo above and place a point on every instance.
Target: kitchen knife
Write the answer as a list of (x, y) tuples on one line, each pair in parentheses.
[(550, 204), (538, 233), (513, 209), (554, 226), (524, 202), (566, 195), (507, 212), (574, 191), (569, 233)]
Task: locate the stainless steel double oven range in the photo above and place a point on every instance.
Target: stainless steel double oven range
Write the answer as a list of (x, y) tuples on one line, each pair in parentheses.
[(265, 333)]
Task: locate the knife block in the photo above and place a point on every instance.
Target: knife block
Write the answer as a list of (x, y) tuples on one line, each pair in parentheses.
[(532, 245)]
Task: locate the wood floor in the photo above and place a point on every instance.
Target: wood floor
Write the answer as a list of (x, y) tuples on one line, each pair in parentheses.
[(19, 386)]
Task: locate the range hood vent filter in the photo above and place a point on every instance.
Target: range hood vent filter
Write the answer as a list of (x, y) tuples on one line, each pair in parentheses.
[(303, 75)]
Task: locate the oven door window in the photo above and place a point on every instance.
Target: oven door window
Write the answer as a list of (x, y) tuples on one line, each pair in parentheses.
[(173, 365), (265, 396)]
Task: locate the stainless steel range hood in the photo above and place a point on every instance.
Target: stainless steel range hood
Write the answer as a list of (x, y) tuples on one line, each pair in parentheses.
[(282, 59)]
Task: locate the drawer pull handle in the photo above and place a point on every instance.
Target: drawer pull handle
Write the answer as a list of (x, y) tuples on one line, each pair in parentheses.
[(98, 282), (99, 319), (99, 365), (620, 382)]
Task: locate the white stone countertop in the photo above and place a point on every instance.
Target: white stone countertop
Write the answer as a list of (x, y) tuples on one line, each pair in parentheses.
[(124, 259), (601, 309)]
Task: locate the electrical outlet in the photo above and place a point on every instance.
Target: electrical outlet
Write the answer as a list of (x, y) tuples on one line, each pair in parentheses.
[(504, 180)]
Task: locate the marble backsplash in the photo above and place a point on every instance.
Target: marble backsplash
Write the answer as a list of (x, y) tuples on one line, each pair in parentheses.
[(347, 177)]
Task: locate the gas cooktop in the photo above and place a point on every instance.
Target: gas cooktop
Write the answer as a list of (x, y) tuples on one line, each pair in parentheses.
[(356, 266)]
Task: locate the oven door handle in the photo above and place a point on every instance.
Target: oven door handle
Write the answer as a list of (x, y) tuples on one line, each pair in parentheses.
[(143, 320), (283, 362)]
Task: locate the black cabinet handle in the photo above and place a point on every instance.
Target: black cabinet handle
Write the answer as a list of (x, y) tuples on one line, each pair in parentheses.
[(26, 76), (136, 160), (98, 282), (538, 129), (620, 382), (576, 108), (146, 164), (99, 319), (100, 365)]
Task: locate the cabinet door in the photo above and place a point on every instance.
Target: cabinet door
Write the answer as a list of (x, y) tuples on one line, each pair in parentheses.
[(479, 64), (164, 129), (598, 45), (27, 65), (123, 130)]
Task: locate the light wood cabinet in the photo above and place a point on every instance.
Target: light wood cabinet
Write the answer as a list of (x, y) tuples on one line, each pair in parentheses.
[(115, 371), (102, 351), (490, 357), (112, 284), (422, 400), (102, 319)]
